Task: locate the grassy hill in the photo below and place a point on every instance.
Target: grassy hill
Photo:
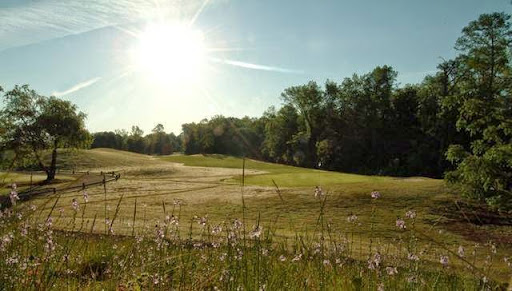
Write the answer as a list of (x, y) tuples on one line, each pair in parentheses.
[(99, 158), (283, 175)]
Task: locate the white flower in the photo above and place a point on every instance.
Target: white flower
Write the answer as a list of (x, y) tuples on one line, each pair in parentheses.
[(443, 260), (256, 232), (391, 271), (319, 192), (412, 257), (352, 218), (375, 194), (75, 205), (460, 251), (410, 214), (400, 223)]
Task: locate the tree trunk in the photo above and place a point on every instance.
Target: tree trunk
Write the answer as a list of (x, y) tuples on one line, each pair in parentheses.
[(53, 166)]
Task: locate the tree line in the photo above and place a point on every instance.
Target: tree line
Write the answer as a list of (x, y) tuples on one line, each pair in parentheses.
[(158, 142)]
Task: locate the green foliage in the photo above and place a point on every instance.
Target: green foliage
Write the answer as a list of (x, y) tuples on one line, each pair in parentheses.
[(33, 123), (484, 171)]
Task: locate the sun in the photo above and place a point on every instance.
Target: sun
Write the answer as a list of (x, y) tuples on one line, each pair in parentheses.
[(171, 53)]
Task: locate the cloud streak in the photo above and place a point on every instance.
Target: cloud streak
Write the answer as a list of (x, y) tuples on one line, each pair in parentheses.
[(76, 87), (27, 22), (256, 66)]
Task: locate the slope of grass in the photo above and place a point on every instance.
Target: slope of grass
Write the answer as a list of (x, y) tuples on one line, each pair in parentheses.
[(283, 175), (99, 158)]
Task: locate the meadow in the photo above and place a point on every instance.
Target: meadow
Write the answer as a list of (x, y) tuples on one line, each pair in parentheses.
[(221, 223)]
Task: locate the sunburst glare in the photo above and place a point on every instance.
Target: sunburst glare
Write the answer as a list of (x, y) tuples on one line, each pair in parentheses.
[(171, 53)]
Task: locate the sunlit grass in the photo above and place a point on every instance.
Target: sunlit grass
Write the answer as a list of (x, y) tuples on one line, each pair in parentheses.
[(293, 220), (283, 175)]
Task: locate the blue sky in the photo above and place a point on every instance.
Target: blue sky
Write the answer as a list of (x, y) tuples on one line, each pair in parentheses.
[(77, 50)]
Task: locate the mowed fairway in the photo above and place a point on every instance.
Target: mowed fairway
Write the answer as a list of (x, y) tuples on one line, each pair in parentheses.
[(210, 186)]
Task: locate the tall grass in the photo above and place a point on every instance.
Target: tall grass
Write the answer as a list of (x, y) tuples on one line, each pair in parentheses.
[(230, 255)]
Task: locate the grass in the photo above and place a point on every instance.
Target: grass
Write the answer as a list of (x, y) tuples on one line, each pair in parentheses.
[(283, 175), (293, 220)]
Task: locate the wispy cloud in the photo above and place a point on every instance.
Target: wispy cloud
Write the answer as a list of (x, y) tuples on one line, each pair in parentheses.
[(76, 87), (26, 22), (256, 66)]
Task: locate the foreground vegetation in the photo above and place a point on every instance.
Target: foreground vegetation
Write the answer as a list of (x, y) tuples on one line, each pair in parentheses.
[(164, 225)]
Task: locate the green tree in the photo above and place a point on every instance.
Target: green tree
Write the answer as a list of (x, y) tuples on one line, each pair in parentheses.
[(33, 123), (308, 100), (484, 171)]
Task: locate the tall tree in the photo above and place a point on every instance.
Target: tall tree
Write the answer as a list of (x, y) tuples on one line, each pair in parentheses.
[(308, 100), (33, 123), (484, 171)]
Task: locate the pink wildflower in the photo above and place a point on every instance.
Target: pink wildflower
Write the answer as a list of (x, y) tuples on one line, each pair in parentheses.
[(391, 271), (86, 196), (400, 223), (375, 194), (444, 260), (75, 205), (256, 232), (411, 214)]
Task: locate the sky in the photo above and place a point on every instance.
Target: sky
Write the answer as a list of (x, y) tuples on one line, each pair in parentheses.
[(144, 62)]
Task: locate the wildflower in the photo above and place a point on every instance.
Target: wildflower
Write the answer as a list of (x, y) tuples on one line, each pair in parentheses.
[(49, 222), (264, 252), (412, 279), (256, 232), (377, 259), (297, 258), (460, 251), (411, 214), (237, 224), (33, 207), (14, 195), (75, 204), (380, 287), (493, 248), (203, 220), (375, 194), (12, 260), (400, 223), (177, 202), (352, 218), (391, 271), (222, 257), (174, 220), (412, 257), (159, 232), (374, 263), (14, 186), (282, 258), (217, 229), (443, 260), (326, 262), (24, 230), (86, 196), (319, 192)]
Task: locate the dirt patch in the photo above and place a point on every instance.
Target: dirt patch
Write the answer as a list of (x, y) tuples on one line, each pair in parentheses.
[(476, 222)]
